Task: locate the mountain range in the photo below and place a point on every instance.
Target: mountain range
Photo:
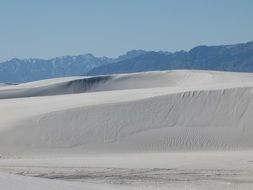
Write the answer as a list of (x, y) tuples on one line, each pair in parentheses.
[(237, 57)]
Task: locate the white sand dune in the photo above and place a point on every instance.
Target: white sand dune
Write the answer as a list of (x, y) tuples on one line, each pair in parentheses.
[(2, 84), (140, 112), (70, 85), (152, 130)]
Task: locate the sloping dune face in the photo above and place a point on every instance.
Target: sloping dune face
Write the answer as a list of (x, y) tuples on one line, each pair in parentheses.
[(141, 112), (72, 85)]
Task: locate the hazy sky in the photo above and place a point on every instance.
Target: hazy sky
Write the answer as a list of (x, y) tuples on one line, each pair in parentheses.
[(49, 28)]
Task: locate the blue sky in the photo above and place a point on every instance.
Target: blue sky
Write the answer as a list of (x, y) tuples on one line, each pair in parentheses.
[(49, 28)]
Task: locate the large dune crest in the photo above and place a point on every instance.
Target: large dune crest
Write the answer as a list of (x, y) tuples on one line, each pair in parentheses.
[(155, 79), (140, 112)]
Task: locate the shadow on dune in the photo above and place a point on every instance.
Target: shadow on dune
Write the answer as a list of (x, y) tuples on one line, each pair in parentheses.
[(69, 87)]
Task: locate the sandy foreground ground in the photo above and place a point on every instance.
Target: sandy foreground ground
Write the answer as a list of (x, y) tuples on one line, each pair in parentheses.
[(152, 130), (186, 170)]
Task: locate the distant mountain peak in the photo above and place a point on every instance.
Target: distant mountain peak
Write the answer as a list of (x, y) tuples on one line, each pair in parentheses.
[(131, 54)]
